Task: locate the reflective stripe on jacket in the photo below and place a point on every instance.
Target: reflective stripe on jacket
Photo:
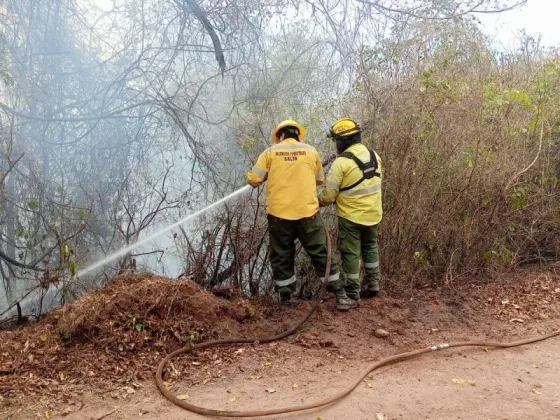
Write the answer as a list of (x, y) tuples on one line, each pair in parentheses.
[(361, 204), (292, 171)]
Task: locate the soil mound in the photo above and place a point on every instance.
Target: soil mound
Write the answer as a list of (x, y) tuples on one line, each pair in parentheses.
[(136, 309), (115, 333)]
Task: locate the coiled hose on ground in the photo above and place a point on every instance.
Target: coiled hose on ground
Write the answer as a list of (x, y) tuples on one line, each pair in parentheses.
[(329, 400)]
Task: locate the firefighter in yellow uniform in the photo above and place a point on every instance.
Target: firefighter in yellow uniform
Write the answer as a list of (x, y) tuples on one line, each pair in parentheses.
[(292, 170), (354, 183)]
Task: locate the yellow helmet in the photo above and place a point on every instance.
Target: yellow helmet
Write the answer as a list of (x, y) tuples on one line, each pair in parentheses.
[(344, 127), (288, 123)]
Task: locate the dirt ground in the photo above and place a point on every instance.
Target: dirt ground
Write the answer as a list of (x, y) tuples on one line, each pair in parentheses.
[(506, 384), (331, 349)]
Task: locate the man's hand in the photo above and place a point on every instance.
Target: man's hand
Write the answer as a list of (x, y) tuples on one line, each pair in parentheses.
[(255, 184)]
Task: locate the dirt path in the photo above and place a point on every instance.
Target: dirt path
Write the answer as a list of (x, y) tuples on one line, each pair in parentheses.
[(322, 358), (521, 383)]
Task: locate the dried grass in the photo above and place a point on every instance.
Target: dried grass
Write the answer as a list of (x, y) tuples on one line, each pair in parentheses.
[(143, 302), (115, 334)]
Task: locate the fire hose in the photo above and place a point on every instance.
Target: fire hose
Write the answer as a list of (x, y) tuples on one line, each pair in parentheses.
[(329, 400)]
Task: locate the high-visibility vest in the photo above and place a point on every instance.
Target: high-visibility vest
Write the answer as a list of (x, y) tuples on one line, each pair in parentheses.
[(359, 202)]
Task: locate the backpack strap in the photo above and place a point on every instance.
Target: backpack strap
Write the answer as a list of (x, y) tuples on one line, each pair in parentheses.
[(369, 169), (375, 164)]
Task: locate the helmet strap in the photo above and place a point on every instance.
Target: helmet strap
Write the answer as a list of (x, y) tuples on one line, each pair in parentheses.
[(341, 144)]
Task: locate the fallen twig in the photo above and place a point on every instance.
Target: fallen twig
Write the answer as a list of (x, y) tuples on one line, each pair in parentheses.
[(107, 414)]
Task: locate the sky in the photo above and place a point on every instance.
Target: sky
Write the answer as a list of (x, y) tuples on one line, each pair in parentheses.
[(536, 17)]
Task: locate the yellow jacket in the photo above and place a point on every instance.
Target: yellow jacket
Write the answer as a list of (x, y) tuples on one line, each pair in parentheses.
[(361, 204), (292, 171)]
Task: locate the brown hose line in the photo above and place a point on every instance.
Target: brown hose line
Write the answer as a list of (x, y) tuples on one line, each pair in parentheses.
[(329, 400)]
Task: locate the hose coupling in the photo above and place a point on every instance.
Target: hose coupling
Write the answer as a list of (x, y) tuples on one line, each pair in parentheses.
[(439, 347)]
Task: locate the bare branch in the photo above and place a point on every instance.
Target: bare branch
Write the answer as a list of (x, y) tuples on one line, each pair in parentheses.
[(410, 12), (11, 261), (10, 167), (201, 16), (517, 175)]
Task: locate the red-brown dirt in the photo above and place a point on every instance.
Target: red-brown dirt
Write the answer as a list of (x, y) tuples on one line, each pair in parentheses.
[(107, 344)]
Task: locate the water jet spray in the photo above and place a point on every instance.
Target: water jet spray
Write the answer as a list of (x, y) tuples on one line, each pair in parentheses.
[(125, 250)]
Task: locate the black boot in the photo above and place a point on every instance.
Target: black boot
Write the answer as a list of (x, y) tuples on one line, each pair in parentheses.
[(287, 299), (370, 292)]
